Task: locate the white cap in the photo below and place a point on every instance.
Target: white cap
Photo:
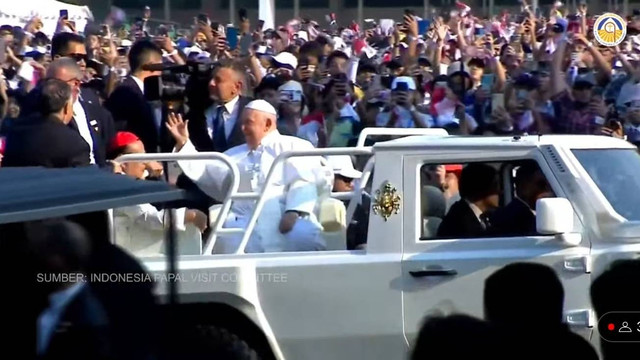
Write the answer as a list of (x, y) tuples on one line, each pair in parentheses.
[(286, 60), (126, 43), (342, 165), (291, 85), (411, 85), (262, 106)]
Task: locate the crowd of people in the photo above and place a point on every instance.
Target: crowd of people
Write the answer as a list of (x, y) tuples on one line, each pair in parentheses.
[(82, 98)]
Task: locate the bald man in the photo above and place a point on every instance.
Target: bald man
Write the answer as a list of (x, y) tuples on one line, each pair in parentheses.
[(287, 222)]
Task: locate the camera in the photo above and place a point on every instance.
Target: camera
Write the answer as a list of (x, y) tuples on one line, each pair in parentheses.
[(172, 84)]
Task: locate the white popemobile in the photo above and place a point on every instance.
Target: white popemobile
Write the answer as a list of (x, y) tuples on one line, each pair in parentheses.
[(368, 304)]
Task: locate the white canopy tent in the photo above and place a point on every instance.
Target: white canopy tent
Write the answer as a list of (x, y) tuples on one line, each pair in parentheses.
[(20, 12)]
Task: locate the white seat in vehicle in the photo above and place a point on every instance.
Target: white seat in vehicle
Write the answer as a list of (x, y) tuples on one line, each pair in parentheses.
[(434, 206), (332, 215)]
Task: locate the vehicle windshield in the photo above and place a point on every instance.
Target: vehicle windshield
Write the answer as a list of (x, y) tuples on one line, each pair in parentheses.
[(616, 172)]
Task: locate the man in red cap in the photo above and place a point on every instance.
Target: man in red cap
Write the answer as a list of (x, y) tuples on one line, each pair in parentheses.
[(140, 228)]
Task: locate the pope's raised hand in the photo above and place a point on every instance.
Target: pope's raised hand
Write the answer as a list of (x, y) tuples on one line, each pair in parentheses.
[(178, 129)]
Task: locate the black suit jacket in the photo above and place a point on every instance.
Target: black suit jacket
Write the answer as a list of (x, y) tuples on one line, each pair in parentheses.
[(132, 112), (460, 222), (99, 120), (47, 142), (82, 332), (200, 136), (515, 219)]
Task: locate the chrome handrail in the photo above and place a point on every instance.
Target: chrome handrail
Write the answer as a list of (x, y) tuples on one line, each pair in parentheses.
[(377, 131)]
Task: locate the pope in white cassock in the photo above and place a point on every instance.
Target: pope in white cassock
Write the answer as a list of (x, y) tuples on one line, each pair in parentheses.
[(288, 221)]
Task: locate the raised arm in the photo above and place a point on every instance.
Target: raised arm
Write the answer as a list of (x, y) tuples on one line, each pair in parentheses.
[(558, 82)]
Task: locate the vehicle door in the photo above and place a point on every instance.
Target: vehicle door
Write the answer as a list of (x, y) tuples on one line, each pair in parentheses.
[(449, 275)]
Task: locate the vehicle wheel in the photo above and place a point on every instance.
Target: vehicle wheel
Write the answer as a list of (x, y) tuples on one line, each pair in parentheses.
[(220, 344)]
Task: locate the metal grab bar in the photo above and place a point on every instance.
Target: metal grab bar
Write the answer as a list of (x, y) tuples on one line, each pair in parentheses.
[(376, 131), (226, 205), (281, 158), (233, 194), (357, 193)]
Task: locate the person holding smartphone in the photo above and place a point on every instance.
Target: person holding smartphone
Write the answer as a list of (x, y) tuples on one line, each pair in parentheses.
[(403, 113)]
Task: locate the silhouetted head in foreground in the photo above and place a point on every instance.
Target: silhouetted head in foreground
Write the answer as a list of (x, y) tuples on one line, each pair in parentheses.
[(518, 286), (524, 301), (617, 290), (456, 337)]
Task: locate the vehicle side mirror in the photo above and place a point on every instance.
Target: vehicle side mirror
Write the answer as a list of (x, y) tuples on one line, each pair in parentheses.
[(554, 216)]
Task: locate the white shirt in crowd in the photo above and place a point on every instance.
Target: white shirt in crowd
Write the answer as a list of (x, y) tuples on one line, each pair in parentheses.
[(229, 116), (294, 187), (80, 118), (405, 119)]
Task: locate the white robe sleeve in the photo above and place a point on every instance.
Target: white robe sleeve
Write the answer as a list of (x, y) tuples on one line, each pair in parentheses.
[(301, 178), (212, 176), (150, 218)]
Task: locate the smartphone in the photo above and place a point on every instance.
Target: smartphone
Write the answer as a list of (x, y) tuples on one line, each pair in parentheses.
[(522, 94), (203, 18), (402, 86), (409, 12), (242, 14), (497, 100), (487, 82), (232, 37), (260, 25), (64, 13), (105, 30), (479, 31), (3, 51), (245, 44), (423, 26)]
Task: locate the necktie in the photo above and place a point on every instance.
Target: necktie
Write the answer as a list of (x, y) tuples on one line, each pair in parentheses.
[(484, 218), (219, 137)]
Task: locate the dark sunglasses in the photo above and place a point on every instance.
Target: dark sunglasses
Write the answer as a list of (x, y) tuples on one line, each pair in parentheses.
[(78, 57), (344, 178)]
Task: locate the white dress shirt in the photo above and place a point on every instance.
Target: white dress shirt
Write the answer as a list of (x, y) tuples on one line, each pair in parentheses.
[(294, 187), (80, 118), (157, 112), (229, 116), (50, 317), (476, 211)]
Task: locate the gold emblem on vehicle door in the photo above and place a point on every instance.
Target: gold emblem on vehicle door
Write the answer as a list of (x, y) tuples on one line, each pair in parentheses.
[(387, 201)]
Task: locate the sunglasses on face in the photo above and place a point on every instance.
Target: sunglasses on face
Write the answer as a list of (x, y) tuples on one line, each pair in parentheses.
[(344, 178), (78, 57)]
